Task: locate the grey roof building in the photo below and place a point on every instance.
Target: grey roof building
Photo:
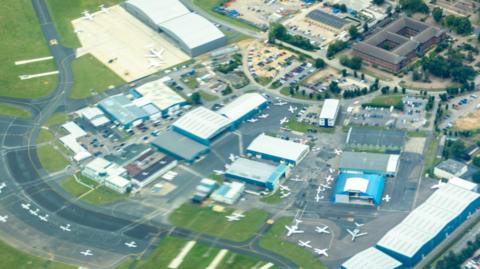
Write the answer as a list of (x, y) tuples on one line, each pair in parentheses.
[(368, 137), (397, 44), (179, 146), (369, 163), (121, 109), (327, 19), (449, 169)]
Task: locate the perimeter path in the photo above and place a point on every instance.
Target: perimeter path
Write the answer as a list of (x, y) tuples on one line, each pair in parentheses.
[(94, 228)]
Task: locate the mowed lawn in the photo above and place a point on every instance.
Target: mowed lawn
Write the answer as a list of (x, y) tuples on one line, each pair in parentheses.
[(387, 100), (63, 12), (91, 76), (205, 220), (51, 158), (273, 240), (100, 195), (200, 256), (12, 258), (21, 39), (14, 111)]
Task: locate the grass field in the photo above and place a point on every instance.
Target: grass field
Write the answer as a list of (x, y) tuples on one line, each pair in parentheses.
[(207, 96), (204, 220), (208, 6), (91, 76), (431, 156), (12, 258), (51, 159), (71, 186), (191, 82), (44, 136), (273, 241), (63, 12), (22, 39), (56, 119), (100, 195), (103, 195), (387, 100), (14, 111), (263, 80), (272, 199), (295, 125)]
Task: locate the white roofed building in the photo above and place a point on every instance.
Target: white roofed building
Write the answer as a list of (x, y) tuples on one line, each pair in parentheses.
[(465, 184), (160, 95), (229, 193), (277, 149), (94, 115), (201, 125), (70, 141), (108, 173), (244, 107), (371, 258), (195, 34), (329, 113), (430, 223)]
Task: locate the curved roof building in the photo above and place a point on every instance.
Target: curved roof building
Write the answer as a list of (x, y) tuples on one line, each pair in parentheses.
[(194, 34)]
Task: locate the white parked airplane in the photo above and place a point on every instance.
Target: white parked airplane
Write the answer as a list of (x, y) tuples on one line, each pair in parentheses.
[(283, 188), (359, 224), (304, 244), (323, 229), (293, 230), (283, 121), (26, 206), (326, 186), (387, 198), (104, 9), (44, 218), (438, 185), (34, 212), (280, 103), (338, 151), (331, 170), (329, 178), (66, 228), (86, 253), (292, 109), (285, 194), (263, 116), (4, 218), (252, 120), (154, 53), (132, 244), (2, 186), (154, 64), (87, 15), (321, 251), (355, 233), (232, 157), (234, 217), (317, 198)]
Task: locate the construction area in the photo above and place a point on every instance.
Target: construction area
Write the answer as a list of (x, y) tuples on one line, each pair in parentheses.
[(121, 42)]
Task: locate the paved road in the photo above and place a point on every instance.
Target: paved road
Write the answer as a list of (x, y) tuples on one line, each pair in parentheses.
[(28, 182)]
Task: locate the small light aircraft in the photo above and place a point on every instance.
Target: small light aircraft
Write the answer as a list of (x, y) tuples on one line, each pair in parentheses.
[(355, 233), (3, 218), (26, 206), (304, 244), (2, 186), (387, 198), (34, 212), (104, 9), (323, 229), (283, 187), (338, 151), (252, 120), (87, 252), (132, 244), (321, 251), (292, 109), (87, 15), (66, 228), (263, 116), (44, 218), (283, 121)]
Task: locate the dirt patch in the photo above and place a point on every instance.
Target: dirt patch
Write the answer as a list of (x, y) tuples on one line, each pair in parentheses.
[(469, 122), (415, 145)]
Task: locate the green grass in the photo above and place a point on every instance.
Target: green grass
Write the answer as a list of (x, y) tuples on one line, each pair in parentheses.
[(51, 159), (273, 198), (274, 242), (263, 80), (91, 76), (191, 82), (22, 39), (236, 261), (205, 220), (403, 84), (163, 255), (63, 12), (430, 157), (387, 100), (103, 195), (417, 133), (208, 6), (218, 178), (297, 126), (14, 111), (16, 259), (44, 136), (207, 96), (56, 119), (199, 257), (74, 188)]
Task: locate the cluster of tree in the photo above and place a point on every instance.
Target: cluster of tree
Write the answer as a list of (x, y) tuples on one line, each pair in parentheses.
[(430, 103), (378, 2), (468, 87), (455, 260), (450, 67), (438, 117), (455, 149), (334, 88), (437, 14), (228, 90), (195, 98), (319, 63), (353, 32), (341, 7), (235, 62), (347, 94), (413, 6), (354, 63), (278, 31), (336, 47), (461, 25)]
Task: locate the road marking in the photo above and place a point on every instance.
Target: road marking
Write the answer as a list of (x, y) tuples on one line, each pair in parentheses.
[(175, 263), (216, 261)]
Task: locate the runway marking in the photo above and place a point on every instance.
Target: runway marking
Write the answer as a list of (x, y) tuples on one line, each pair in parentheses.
[(175, 263), (216, 261), (267, 266), (33, 60)]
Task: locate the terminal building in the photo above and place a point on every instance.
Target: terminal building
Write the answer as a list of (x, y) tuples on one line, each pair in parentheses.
[(277, 149), (120, 109), (396, 45), (371, 258), (94, 116), (429, 224), (108, 173), (201, 125), (192, 32), (329, 113), (157, 93), (369, 163), (365, 189), (70, 141), (244, 107), (256, 173)]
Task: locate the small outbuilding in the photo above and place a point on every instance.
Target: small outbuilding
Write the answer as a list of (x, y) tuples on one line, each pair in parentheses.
[(450, 168)]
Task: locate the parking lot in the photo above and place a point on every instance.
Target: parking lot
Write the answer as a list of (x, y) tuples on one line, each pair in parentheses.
[(268, 61)]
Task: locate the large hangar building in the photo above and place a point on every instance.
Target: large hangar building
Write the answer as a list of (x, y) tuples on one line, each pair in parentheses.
[(244, 107), (277, 149), (195, 34)]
